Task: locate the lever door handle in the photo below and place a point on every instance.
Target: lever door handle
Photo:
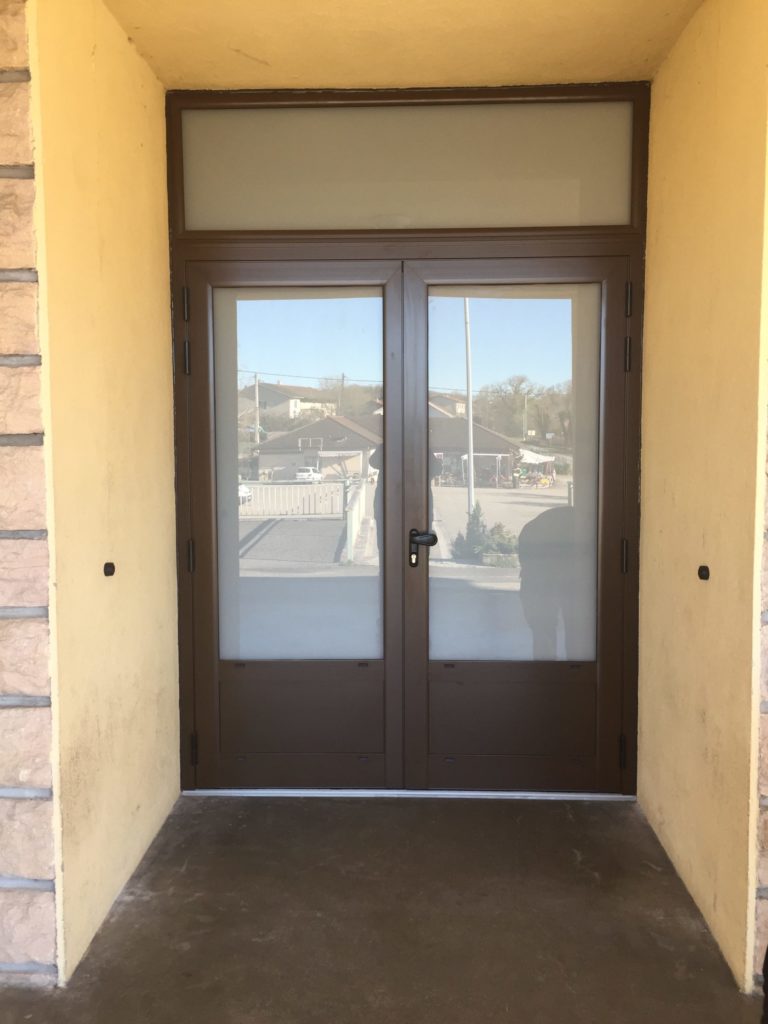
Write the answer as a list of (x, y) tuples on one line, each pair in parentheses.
[(417, 540)]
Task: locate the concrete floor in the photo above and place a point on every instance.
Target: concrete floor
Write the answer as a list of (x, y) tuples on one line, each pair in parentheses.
[(413, 911)]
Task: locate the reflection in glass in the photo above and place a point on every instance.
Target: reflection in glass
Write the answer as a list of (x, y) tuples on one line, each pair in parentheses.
[(299, 481), (513, 416)]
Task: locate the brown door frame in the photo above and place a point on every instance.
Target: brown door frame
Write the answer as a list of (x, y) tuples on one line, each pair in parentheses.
[(189, 248)]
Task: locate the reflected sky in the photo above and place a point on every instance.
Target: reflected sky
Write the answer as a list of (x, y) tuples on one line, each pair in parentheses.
[(302, 341), (305, 340), (510, 337)]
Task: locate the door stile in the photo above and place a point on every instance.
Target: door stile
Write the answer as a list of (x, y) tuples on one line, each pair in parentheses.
[(612, 530), (202, 564), (184, 474), (416, 589), (394, 530), (631, 504)]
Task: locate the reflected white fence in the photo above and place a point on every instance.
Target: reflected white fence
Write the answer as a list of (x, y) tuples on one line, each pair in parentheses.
[(356, 512), (334, 499), (262, 500)]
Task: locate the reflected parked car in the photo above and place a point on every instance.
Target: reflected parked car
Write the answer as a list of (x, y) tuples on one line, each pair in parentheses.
[(308, 475)]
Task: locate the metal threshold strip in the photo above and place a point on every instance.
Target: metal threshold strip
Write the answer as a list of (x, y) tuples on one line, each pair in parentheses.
[(412, 794)]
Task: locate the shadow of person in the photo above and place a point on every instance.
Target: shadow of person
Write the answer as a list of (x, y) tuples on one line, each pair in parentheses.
[(549, 580)]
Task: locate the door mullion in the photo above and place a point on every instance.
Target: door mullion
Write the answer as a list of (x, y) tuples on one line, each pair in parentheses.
[(416, 505), (393, 527)]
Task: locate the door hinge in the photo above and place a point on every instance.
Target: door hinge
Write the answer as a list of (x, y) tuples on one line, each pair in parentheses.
[(622, 752), (190, 555), (624, 555), (628, 299), (185, 314), (627, 354), (193, 749)]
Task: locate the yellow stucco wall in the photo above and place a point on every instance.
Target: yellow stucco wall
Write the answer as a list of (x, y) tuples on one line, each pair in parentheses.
[(100, 154), (104, 269), (702, 468), (379, 44)]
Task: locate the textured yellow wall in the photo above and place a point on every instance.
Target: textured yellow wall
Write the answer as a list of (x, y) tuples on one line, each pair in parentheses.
[(100, 148), (106, 344), (703, 454)]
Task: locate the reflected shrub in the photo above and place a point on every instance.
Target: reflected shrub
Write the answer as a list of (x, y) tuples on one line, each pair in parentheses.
[(484, 545)]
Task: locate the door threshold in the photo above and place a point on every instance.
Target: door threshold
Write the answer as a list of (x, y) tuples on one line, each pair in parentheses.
[(412, 794)]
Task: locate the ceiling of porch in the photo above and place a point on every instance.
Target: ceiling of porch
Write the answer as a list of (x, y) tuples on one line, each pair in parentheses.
[(294, 44)]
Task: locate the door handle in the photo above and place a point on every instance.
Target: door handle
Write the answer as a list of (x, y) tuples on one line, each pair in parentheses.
[(417, 540)]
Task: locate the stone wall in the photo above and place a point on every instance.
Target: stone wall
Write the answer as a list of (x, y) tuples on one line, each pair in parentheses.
[(27, 911)]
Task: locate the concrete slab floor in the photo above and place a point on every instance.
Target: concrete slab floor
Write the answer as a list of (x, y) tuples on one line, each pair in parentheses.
[(386, 911)]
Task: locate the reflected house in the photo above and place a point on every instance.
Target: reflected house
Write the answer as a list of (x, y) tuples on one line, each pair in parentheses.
[(341, 446), (495, 455), (285, 400), (441, 405), (337, 446), (437, 409)]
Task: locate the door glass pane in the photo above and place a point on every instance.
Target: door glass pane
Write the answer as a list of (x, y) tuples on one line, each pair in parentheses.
[(451, 166), (299, 481), (514, 499)]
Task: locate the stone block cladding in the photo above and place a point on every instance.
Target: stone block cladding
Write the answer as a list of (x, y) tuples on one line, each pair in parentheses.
[(761, 930), (27, 887)]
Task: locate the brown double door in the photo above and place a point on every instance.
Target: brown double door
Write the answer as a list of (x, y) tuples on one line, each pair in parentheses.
[(411, 561)]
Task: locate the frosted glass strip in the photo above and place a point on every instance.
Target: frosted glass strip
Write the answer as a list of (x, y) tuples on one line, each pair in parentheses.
[(456, 166)]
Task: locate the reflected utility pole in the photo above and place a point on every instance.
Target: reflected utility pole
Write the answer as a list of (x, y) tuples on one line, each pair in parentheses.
[(470, 433), (257, 425)]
